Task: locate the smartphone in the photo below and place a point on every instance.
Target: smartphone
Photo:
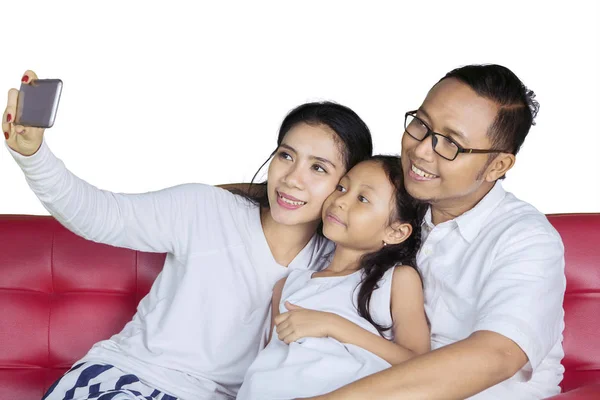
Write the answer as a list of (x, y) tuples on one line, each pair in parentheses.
[(38, 102)]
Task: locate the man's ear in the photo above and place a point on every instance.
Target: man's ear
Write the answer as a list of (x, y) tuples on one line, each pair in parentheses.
[(397, 233), (500, 166)]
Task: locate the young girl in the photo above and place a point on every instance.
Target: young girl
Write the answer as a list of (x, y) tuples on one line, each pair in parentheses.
[(200, 327), (361, 314)]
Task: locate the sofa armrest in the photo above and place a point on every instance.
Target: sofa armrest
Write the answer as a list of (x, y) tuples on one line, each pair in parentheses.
[(588, 392)]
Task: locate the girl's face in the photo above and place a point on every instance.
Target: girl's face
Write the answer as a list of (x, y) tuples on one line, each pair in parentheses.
[(305, 170), (357, 214)]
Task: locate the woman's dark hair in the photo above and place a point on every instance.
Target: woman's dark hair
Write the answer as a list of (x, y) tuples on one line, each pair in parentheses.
[(517, 105), (374, 265), (353, 137)]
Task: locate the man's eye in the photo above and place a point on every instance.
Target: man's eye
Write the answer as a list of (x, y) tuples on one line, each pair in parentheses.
[(363, 199), (340, 188)]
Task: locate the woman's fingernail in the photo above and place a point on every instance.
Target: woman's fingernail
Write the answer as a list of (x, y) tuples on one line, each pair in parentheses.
[(25, 79), (8, 117), (6, 135)]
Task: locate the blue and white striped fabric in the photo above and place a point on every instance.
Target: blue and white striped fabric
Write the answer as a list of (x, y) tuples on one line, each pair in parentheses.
[(101, 382)]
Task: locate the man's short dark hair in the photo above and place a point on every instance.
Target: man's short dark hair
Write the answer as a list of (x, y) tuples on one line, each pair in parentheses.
[(517, 105)]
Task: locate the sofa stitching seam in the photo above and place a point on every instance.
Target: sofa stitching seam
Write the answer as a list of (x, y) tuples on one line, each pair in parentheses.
[(52, 290), (137, 278)]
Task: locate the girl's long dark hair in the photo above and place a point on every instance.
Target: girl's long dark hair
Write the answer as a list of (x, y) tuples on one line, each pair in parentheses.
[(353, 137), (374, 265)]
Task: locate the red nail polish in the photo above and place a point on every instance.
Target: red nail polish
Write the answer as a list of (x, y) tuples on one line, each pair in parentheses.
[(8, 117), (6, 135), (25, 79)]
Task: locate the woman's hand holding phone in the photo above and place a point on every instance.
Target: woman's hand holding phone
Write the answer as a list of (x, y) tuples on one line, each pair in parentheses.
[(25, 140)]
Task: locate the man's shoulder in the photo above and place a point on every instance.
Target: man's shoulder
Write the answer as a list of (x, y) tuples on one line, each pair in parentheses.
[(515, 219), (518, 239)]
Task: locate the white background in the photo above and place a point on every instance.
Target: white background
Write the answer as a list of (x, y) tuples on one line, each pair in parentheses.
[(162, 93)]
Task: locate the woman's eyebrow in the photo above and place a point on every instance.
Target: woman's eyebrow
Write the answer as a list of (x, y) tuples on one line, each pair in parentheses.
[(323, 160), (287, 146)]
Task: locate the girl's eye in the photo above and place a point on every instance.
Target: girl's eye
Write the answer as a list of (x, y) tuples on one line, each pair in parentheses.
[(363, 199), (340, 188), (285, 156), (318, 168)]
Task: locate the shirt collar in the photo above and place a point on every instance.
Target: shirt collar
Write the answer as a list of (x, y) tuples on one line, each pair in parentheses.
[(427, 224), (471, 222)]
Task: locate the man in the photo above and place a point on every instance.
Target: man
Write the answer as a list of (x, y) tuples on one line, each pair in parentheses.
[(492, 265)]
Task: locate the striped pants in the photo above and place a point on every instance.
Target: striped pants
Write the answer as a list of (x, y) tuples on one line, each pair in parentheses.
[(101, 382)]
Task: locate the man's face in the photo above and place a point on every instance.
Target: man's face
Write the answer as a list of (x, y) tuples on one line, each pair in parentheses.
[(453, 109)]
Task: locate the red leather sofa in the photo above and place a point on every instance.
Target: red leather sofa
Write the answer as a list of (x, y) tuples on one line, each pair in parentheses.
[(60, 293)]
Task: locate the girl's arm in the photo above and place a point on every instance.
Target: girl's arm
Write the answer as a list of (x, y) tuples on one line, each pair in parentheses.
[(411, 332), (277, 290)]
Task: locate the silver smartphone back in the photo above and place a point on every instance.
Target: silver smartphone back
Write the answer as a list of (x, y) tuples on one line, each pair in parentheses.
[(38, 102)]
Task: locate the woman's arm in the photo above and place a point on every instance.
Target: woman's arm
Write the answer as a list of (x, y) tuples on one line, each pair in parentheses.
[(411, 333), (155, 221)]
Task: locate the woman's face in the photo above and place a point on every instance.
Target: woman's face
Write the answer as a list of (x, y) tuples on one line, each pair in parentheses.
[(305, 169)]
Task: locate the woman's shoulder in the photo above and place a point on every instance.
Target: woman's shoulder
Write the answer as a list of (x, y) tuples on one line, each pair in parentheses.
[(208, 209), (208, 195)]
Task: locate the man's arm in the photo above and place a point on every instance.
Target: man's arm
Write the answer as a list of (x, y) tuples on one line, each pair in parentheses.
[(456, 371), (513, 326)]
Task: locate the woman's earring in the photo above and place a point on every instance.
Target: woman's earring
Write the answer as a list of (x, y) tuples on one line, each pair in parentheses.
[(384, 243)]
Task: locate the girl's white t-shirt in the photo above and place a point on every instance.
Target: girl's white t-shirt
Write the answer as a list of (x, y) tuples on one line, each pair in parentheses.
[(207, 314), (314, 366)]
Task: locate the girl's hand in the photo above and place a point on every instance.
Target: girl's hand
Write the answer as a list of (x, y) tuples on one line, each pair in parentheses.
[(23, 140), (300, 322)]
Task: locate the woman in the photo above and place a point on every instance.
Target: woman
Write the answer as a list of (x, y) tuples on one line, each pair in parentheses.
[(204, 319)]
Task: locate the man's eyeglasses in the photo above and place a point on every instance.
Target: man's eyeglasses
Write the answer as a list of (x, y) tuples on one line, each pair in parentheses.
[(443, 145)]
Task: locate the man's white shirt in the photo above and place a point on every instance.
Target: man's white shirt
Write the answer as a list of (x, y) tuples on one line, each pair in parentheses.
[(499, 267)]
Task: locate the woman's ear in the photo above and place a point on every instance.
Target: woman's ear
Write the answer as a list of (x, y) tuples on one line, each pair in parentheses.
[(397, 233)]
